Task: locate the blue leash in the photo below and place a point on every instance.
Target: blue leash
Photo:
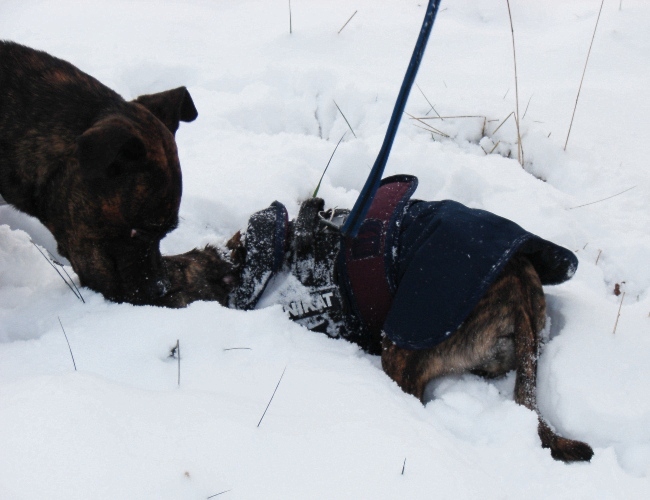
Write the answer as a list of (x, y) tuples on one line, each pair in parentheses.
[(361, 206)]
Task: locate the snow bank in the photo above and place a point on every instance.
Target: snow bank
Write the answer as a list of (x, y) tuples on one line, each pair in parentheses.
[(122, 427)]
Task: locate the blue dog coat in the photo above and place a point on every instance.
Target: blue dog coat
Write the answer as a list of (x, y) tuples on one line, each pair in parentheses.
[(449, 256), (414, 273)]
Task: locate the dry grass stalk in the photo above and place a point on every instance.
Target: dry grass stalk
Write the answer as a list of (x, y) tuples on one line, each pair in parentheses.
[(69, 348), (526, 110), (598, 201), (520, 152), (71, 284), (53, 259), (217, 494), (178, 346), (290, 27), (176, 350), (433, 131), (495, 146), (446, 117), (619, 313), (583, 75), (346, 120), (598, 258), (429, 102), (272, 395), (430, 128), (505, 120), (346, 22), (327, 166)]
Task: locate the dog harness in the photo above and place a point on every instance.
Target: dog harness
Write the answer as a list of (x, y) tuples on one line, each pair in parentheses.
[(414, 272)]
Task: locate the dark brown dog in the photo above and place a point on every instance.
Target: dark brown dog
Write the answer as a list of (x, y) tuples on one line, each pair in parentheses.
[(100, 173)]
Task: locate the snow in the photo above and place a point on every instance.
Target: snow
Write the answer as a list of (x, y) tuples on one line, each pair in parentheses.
[(122, 427)]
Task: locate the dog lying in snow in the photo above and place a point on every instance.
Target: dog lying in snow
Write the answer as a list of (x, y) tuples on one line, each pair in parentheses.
[(435, 288), (103, 175)]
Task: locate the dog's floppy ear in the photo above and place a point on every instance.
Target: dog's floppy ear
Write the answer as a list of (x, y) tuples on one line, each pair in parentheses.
[(109, 146), (170, 107)]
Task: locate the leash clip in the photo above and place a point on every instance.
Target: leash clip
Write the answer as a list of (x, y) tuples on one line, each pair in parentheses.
[(334, 217)]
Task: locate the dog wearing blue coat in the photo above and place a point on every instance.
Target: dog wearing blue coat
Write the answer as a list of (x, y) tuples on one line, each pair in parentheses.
[(434, 288)]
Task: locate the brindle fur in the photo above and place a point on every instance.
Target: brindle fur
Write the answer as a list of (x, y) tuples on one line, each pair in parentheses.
[(199, 275), (501, 334), (100, 173)]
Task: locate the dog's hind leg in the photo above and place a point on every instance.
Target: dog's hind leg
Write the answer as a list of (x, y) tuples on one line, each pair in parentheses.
[(500, 335), (529, 320), (484, 343)]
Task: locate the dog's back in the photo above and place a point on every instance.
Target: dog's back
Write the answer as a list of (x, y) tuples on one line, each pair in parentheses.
[(45, 104)]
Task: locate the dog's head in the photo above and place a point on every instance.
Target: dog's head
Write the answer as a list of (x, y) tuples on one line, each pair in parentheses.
[(125, 197)]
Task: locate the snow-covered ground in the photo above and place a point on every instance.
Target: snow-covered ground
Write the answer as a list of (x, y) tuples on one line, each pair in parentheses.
[(121, 427)]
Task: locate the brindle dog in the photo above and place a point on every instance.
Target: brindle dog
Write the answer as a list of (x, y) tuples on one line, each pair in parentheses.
[(100, 173), (501, 334)]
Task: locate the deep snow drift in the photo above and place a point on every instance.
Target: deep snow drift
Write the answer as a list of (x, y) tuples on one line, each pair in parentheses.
[(121, 427)]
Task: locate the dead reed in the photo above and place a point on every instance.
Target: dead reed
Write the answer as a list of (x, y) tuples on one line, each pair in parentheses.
[(504, 120), (272, 395), (429, 102), (68, 342), (327, 166), (70, 284), (619, 313), (175, 352), (217, 494), (346, 120), (346, 22), (520, 151), (598, 201), (583, 75), (290, 27)]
